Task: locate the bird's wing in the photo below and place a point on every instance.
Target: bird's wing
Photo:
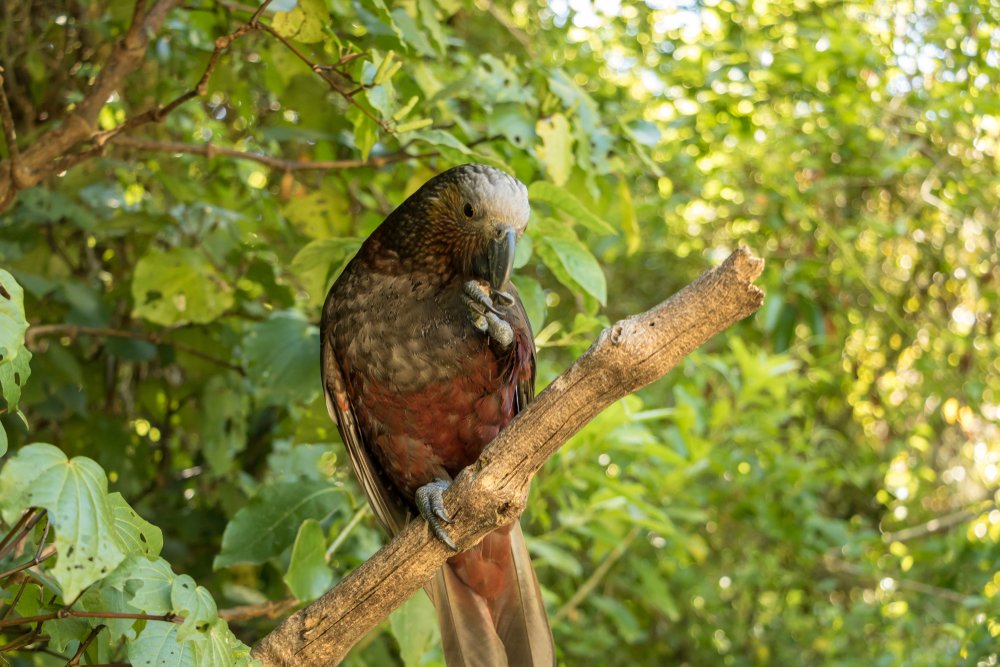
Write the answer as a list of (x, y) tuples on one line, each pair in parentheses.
[(518, 318), (387, 506)]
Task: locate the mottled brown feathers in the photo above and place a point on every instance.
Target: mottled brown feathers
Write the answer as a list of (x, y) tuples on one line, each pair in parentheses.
[(418, 391)]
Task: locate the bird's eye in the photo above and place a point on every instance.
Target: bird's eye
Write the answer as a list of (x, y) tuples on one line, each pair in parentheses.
[(468, 210)]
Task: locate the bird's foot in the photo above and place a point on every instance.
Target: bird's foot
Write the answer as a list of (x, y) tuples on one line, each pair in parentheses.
[(484, 315), (430, 503)]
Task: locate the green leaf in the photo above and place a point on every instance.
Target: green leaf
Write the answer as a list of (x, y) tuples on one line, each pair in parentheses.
[(630, 222), (579, 264), (14, 357), (556, 149), (304, 23), (533, 298), (513, 121), (308, 575), (226, 408), (219, 646), (320, 215), (414, 625), (157, 646), (75, 493), (148, 583), (178, 286), (268, 524), (195, 604), (428, 17), (102, 597), (319, 262), (3, 440), (562, 199), (281, 355), (365, 132), (135, 533)]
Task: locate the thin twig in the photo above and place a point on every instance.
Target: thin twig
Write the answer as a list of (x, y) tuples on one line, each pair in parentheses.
[(320, 70), (49, 553), (345, 531), (210, 151), (84, 645), (72, 613), (21, 535), (22, 640), (17, 598), (834, 564), (74, 330), (158, 113), (598, 574), (25, 516), (256, 15)]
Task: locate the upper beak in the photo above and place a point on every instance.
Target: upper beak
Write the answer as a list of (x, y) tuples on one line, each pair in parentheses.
[(496, 263)]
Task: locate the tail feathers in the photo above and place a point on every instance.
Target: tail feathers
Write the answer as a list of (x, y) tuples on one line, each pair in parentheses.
[(490, 607)]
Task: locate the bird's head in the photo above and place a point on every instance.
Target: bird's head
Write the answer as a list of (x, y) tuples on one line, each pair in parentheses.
[(469, 217)]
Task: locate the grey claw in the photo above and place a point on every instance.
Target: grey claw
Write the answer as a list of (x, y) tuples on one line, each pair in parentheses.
[(430, 503), (504, 298), (484, 316)]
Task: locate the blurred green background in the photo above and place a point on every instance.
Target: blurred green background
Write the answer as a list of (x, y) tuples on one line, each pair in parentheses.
[(818, 485)]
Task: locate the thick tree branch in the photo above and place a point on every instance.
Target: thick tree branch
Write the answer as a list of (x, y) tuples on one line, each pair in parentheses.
[(39, 160), (627, 356)]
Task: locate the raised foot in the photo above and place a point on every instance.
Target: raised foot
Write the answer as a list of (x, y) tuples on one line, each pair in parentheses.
[(430, 503), (484, 315)]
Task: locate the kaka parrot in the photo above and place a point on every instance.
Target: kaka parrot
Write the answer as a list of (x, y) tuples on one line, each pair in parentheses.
[(427, 354)]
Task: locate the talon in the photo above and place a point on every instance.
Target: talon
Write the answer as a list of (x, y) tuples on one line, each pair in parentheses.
[(430, 503), (476, 293), (506, 299), (499, 330), (484, 315)]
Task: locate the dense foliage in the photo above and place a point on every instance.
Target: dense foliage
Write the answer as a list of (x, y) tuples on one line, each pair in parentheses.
[(819, 485)]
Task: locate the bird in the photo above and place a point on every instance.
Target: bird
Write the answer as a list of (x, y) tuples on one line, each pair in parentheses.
[(427, 353)]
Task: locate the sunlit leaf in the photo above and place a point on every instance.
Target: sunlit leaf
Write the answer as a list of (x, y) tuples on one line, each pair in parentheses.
[(556, 147), (75, 494), (268, 524), (308, 574), (178, 286)]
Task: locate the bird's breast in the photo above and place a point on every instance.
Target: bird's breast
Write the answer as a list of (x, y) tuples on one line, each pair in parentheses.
[(428, 389)]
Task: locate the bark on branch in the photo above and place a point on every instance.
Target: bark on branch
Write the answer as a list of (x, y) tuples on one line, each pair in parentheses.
[(627, 356)]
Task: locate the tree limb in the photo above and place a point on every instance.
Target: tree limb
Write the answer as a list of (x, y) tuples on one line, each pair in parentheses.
[(39, 160), (492, 492)]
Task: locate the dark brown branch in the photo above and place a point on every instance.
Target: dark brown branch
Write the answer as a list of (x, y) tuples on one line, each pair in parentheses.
[(492, 492), (84, 645), (25, 517), (211, 151), (29, 524), (39, 558), (7, 121), (73, 330), (44, 157)]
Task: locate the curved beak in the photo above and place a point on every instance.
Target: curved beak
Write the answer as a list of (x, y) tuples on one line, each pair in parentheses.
[(495, 263)]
